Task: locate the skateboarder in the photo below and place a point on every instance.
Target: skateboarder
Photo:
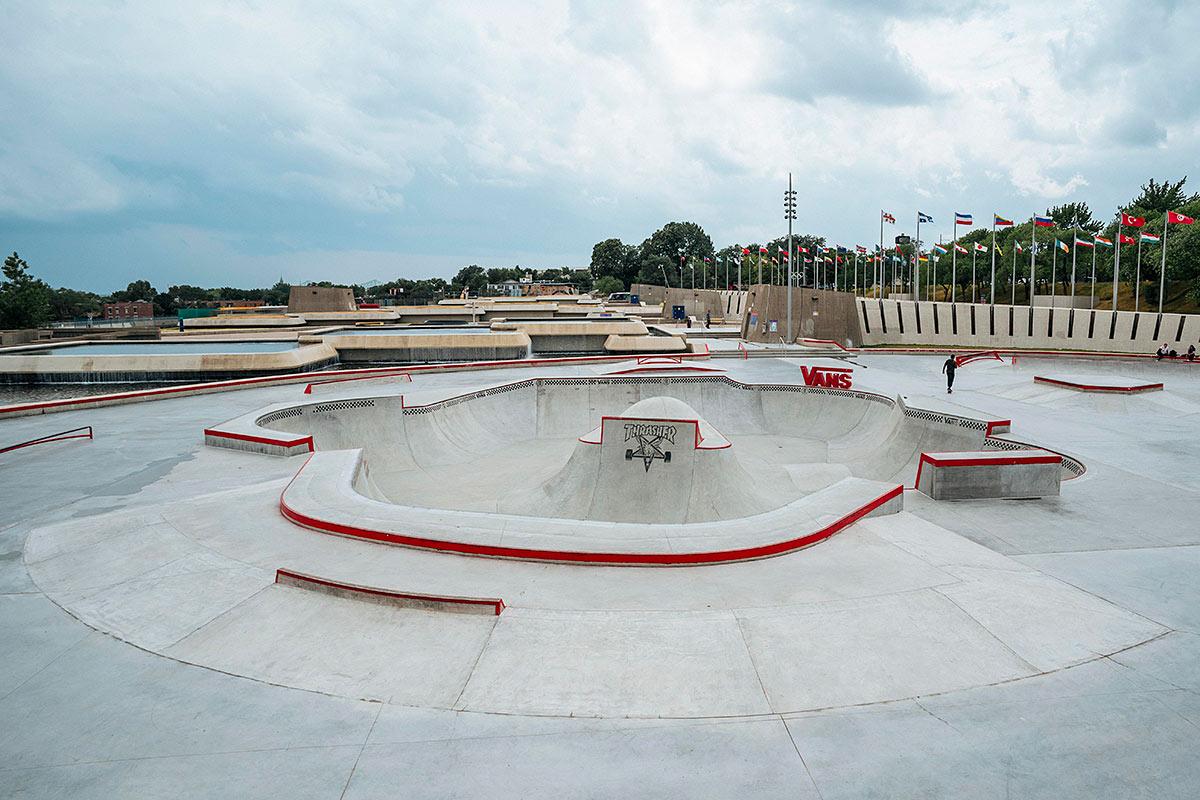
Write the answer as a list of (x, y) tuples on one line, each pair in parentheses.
[(948, 367)]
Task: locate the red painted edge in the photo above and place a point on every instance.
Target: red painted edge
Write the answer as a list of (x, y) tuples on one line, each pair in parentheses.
[(245, 437), (398, 374), (1005, 460), (1087, 387), (54, 437), (580, 557), (997, 423), (663, 368), (496, 603), (838, 345)]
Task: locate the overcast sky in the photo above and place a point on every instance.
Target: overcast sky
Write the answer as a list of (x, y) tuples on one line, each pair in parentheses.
[(236, 143)]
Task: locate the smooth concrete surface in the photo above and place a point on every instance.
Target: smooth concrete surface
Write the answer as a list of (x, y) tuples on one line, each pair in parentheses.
[(992, 649)]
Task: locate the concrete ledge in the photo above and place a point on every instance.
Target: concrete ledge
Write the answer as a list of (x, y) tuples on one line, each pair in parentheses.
[(989, 474), (616, 343), (1111, 385), (491, 606), (419, 347)]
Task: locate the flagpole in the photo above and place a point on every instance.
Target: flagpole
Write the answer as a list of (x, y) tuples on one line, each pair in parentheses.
[(1012, 279), (917, 263), (1032, 256), (1137, 280), (1092, 300), (879, 269), (1117, 262), (788, 206), (1074, 251), (974, 285), (1053, 275), (1162, 276), (954, 262), (993, 299)]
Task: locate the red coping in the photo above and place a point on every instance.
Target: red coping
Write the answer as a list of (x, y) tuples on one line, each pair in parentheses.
[(997, 423), (698, 445), (245, 437), (1087, 387), (54, 437), (579, 557), (496, 603), (838, 345), (990, 355), (984, 461), (662, 368), (397, 374)]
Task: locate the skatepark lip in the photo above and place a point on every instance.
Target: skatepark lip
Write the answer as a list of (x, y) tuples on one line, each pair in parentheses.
[(598, 558), (596, 436), (1129, 387)]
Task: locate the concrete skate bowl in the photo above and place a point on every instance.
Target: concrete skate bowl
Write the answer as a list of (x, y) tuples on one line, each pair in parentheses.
[(667, 470)]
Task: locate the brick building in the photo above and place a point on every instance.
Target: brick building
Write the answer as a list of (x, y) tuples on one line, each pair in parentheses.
[(128, 309)]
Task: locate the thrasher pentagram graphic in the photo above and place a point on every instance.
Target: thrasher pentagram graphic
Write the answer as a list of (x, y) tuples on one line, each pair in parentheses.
[(650, 442)]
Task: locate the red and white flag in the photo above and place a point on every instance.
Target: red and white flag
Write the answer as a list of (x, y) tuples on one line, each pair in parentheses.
[(1179, 219), (1128, 239), (1133, 222), (888, 217)]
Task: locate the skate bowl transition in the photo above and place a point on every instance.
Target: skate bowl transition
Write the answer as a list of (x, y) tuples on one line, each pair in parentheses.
[(648, 471)]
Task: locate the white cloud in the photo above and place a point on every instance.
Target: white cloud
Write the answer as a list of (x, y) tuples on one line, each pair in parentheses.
[(376, 126)]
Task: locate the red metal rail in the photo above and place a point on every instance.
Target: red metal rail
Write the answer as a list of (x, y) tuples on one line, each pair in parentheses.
[(74, 433)]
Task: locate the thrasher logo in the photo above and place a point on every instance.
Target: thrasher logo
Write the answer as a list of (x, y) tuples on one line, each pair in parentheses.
[(827, 377), (650, 441)]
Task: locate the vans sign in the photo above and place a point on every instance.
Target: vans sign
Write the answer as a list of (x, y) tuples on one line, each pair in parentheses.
[(827, 377)]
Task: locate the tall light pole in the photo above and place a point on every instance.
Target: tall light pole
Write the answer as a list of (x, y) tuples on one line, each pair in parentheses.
[(789, 213)]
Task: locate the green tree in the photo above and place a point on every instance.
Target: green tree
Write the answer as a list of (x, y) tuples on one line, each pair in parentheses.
[(24, 300), (68, 304), (607, 284), (472, 277), (1163, 197), (1077, 213)]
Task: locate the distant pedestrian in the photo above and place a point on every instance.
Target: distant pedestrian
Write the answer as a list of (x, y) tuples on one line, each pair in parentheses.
[(948, 368), (708, 319), (1191, 353)]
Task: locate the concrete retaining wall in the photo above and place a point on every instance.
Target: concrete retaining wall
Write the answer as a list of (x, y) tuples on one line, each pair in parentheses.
[(977, 325)]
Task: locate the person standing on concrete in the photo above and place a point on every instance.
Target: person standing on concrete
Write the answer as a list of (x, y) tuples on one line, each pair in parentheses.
[(707, 319), (948, 368)]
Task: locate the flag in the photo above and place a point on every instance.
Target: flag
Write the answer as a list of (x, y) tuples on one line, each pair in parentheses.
[(980, 248), (839, 259), (999, 251), (808, 261), (1178, 219), (800, 249), (1131, 221), (1149, 237), (922, 259), (960, 249), (963, 219), (859, 248), (841, 249), (762, 249), (923, 217), (1100, 240), (1081, 243), (828, 260), (937, 248), (1001, 222), (1043, 222), (745, 251), (888, 217), (1017, 244), (1127, 239), (1062, 246)]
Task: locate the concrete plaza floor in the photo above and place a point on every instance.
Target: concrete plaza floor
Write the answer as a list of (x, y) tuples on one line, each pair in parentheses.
[(1046, 648)]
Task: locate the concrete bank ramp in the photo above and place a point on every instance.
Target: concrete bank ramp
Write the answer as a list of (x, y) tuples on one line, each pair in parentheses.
[(658, 461)]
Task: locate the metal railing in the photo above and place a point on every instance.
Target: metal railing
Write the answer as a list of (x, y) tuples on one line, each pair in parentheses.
[(74, 433)]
